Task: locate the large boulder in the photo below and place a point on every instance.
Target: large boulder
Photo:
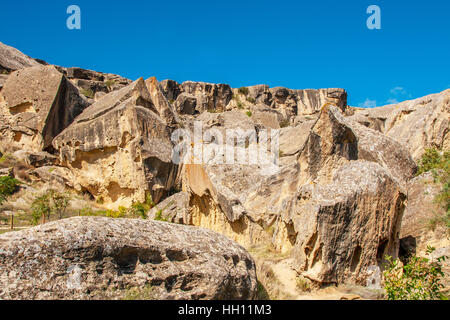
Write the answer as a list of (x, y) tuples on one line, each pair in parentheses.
[(101, 258), (334, 207), (417, 124), (12, 59), (119, 148), (39, 102)]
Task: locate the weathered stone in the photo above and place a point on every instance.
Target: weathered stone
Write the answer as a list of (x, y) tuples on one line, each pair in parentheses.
[(173, 209), (209, 96), (57, 177), (160, 101), (12, 59), (101, 258), (417, 124), (171, 89), (78, 73), (186, 104), (39, 102), (36, 159), (327, 188), (119, 148), (3, 78)]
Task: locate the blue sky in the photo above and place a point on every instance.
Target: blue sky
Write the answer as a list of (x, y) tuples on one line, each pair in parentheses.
[(296, 44)]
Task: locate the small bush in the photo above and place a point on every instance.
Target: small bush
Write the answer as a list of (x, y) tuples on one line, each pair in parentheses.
[(243, 90), (88, 93), (110, 83), (430, 160), (140, 293), (251, 100), (420, 279), (439, 165), (159, 217), (284, 124), (8, 186), (249, 113), (302, 284)]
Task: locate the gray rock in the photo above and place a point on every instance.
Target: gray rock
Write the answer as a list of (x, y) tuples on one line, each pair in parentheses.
[(101, 258), (12, 59)]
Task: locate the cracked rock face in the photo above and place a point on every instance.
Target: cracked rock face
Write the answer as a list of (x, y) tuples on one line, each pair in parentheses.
[(100, 258), (12, 59), (38, 103), (417, 124), (119, 148), (336, 204)]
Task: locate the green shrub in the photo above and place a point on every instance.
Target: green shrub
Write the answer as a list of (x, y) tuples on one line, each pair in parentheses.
[(8, 186), (439, 165), (249, 113), (110, 83), (243, 90), (140, 293), (420, 279), (430, 160), (40, 208), (159, 217), (88, 93)]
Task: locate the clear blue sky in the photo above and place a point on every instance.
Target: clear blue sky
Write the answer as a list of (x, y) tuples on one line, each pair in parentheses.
[(297, 44)]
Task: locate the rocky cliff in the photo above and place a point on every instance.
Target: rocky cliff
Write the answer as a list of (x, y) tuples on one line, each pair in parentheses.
[(329, 188)]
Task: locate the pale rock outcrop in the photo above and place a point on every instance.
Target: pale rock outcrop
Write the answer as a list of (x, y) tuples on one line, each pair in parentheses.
[(209, 96), (119, 148), (329, 187), (160, 102), (173, 209), (38, 103), (101, 258), (12, 59), (186, 103), (417, 124)]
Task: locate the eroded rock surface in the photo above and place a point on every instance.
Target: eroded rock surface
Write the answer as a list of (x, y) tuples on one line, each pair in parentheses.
[(417, 124), (12, 59), (38, 103), (332, 185), (119, 148), (100, 258)]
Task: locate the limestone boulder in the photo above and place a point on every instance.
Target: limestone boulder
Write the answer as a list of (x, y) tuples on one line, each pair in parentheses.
[(417, 124), (101, 258), (38, 103), (119, 148)]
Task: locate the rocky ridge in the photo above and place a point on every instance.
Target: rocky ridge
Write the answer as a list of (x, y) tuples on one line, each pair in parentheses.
[(334, 204)]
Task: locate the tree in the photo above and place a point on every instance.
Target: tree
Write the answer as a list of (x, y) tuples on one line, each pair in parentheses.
[(7, 187), (60, 202), (420, 279), (40, 208)]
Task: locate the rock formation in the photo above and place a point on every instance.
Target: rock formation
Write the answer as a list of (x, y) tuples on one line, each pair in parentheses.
[(119, 148), (418, 124), (336, 196), (12, 59), (39, 102), (100, 258)]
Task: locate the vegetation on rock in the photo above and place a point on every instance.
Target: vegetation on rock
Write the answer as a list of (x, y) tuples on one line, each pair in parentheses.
[(419, 279)]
